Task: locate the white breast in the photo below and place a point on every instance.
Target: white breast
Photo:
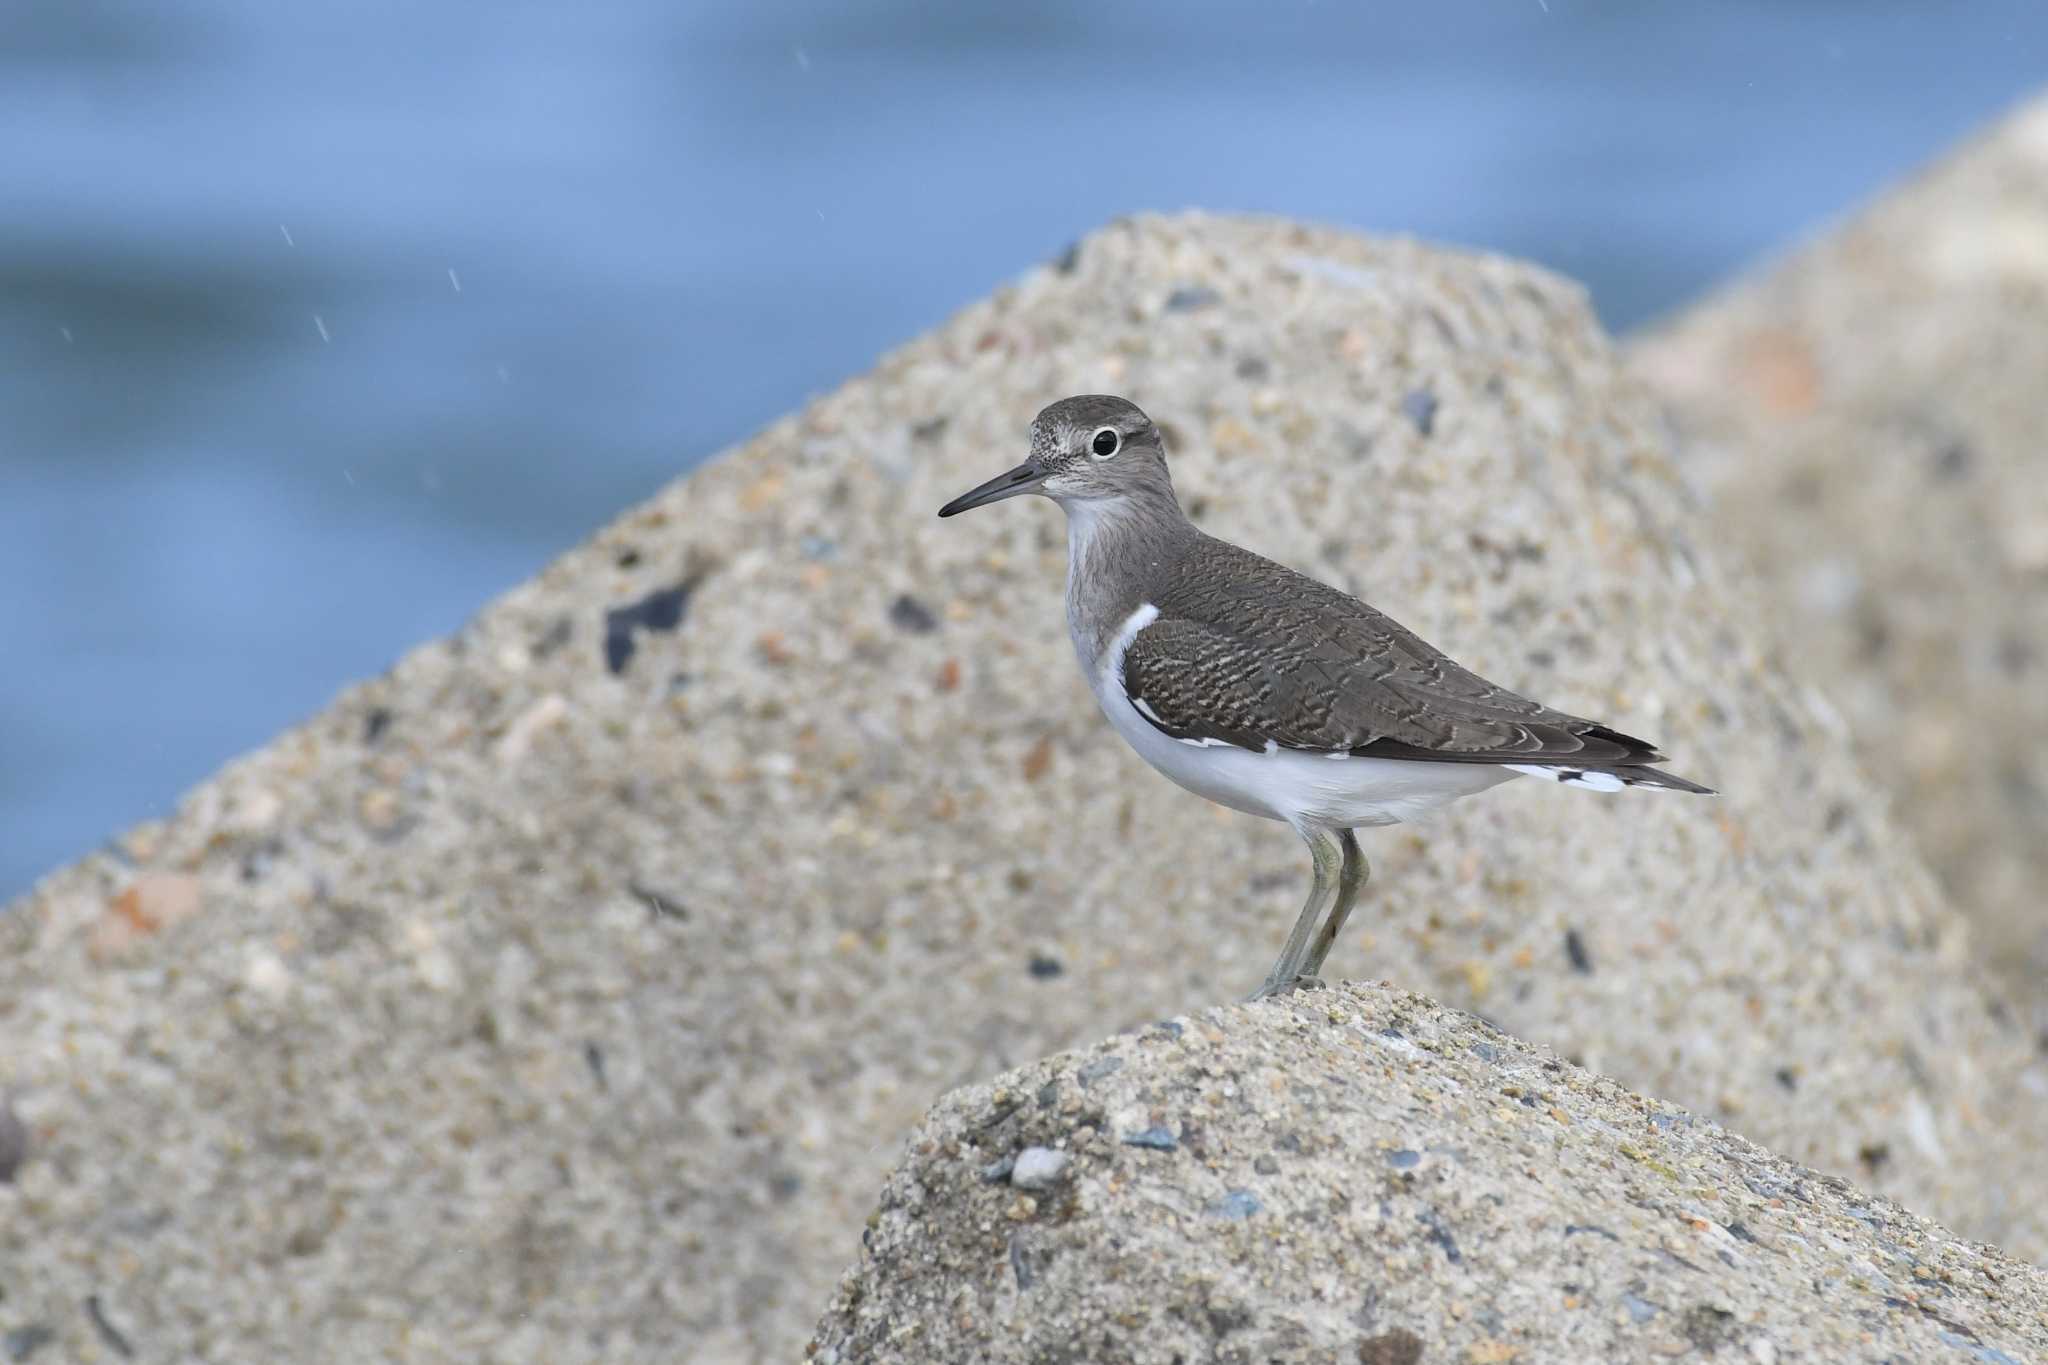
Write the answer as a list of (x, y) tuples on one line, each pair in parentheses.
[(1302, 788)]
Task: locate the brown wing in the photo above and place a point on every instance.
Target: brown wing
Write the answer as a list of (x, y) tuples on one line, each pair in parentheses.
[(1304, 666)]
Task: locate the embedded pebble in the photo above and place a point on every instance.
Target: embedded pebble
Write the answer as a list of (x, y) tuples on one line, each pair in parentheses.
[(1097, 1069), (1235, 1204), (1420, 406), (1037, 1168), (153, 902), (23, 1342), (1156, 1137), (907, 613), (267, 975), (549, 711), (14, 1140)]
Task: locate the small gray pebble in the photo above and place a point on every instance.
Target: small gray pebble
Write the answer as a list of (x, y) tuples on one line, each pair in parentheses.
[(1234, 1205), (1639, 1310), (907, 613), (1156, 1137), (24, 1342), (1575, 952), (1020, 1262), (998, 1170), (1404, 1159), (13, 1141), (1266, 1165), (1037, 1168), (1097, 1069), (1420, 407)]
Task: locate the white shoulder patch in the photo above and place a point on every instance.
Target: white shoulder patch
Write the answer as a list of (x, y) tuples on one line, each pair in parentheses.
[(1111, 665), (1120, 644)]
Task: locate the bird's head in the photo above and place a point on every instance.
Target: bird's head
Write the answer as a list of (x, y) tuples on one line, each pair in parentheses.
[(1091, 448)]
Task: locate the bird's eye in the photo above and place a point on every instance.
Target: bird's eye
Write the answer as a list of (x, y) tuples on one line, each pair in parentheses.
[(1106, 443)]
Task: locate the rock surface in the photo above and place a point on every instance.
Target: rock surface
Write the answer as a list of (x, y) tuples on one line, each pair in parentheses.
[(565, 994), (1363, 1175), (1867, 417)]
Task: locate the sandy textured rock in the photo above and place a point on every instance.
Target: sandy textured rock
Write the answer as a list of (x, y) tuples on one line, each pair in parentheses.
[(1364, 1175), (566, 994), (1868, 417)]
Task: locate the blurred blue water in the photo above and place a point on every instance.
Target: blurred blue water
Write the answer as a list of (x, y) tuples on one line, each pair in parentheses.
[(320, 325)]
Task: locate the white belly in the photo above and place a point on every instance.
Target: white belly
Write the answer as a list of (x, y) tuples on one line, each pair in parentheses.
[(1298, 787)]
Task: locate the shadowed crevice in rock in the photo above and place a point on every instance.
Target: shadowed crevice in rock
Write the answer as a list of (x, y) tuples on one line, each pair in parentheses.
[(660, 610)]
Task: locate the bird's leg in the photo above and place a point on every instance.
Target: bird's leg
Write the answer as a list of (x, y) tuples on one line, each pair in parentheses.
[(1329, 863), (1350, 881)]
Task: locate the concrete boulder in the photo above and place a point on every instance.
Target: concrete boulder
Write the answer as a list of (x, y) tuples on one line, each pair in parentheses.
[(1866, 417), (566, 993), (1362, 1175)]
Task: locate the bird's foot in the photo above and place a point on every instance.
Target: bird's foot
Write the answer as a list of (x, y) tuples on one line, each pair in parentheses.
[(1272, 990)]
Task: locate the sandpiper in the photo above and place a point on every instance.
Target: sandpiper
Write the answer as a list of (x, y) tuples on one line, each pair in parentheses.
[(1267, 691)]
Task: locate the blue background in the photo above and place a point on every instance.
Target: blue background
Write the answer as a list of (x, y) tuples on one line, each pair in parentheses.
[(255, 441)]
